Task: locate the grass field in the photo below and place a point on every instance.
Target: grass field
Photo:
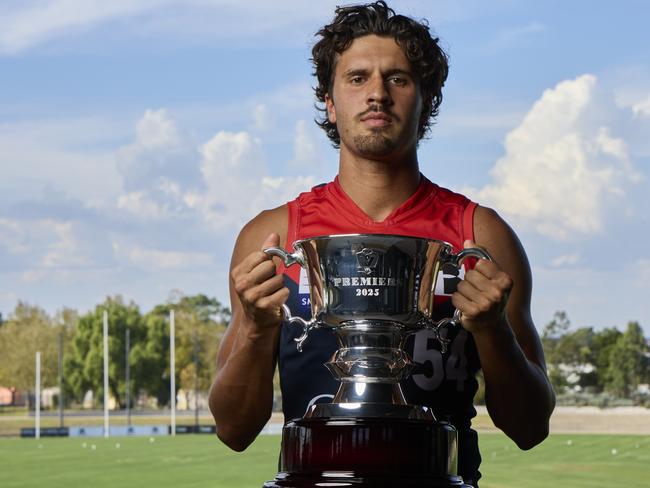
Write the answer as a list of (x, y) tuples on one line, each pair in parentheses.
[(563, 461)]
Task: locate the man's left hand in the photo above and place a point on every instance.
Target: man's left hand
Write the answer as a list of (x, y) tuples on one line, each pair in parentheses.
[(482, 295)]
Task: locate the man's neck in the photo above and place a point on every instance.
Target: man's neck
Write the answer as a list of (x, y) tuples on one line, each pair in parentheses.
[(379, 187)]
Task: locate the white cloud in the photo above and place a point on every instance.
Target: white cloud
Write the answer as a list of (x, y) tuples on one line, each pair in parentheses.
[(305, 150), (232, 167), (65, 252), (157, 259), (60, 160), (238, 184), (233, 183), (165, 201), (36, 22), (642, 107), (228, 156), (38, 248), (32, 276), (30, 23), (33, 22), (139, 204), (12, 236), (158, 152), (566, 260), (156, 129), (61, 235), (262, 117), (560, 173)]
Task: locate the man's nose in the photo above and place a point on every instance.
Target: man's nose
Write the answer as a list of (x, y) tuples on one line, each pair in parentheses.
[(378, 92)]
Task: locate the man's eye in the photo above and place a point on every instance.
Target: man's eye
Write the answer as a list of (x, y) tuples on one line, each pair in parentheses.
[(398, 80), (355, 80)]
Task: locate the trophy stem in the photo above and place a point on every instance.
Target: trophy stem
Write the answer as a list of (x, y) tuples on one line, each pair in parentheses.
[(362, 392)]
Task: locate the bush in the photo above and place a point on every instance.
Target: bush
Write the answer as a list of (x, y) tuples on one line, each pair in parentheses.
[(600, 400)]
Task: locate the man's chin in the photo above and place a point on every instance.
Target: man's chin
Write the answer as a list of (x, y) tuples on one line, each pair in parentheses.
[(374, 145)]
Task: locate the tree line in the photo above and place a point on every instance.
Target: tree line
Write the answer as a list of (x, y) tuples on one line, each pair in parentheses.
[(200, 322), (597, 362), (581, 361)]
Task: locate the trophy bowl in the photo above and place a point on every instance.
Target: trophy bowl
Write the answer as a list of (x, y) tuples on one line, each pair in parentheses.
[(372, 279)]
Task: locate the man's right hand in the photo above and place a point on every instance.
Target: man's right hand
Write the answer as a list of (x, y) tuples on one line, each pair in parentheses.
[(260, 290)]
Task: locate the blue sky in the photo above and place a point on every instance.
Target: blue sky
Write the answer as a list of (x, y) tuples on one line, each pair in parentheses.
[(137, 137)]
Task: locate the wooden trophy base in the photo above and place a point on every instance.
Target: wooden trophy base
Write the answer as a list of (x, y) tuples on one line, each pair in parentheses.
[(368, 452)]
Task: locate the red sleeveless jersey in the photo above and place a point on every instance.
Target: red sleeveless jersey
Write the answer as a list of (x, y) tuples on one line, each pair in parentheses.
[(432, 212), (445, 382)]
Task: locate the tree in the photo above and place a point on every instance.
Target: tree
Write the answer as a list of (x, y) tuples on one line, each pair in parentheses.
[(575, 351), (576, 347), (602, 345), (150, 357), (551, 335), (84, 366), (628, 361), (28, 329), (200, 322)]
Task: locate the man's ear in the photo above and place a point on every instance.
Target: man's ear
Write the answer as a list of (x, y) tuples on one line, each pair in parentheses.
[(331, 110)]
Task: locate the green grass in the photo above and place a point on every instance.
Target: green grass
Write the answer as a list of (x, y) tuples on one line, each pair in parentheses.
[(567, 461), (563, 461)]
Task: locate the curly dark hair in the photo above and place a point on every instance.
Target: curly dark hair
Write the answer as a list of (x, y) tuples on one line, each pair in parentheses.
[(428, 60)]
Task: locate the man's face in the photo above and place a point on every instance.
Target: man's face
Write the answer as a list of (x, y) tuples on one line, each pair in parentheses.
[(375, 102)]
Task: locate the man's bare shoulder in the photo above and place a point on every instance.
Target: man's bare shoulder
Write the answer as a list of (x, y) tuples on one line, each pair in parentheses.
[(487, 219), (258, 229), (493, 233), (491, 227)]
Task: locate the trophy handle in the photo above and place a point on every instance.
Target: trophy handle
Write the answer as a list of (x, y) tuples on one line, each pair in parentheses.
[(456, 260), (289, 259), (474, 252), (307, 325)]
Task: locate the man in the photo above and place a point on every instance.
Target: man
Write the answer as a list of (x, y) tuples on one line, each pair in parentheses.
[(380, 77)]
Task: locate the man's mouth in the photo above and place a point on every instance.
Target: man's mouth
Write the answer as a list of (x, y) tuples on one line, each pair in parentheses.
[(377, 119)]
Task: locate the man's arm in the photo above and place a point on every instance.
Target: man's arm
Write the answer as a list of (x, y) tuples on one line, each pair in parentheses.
[(494, 299), (241, 397)]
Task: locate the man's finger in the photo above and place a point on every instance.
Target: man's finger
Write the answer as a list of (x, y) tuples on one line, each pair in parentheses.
[(272, 240), (467, 307), (270, 286), (478, 279), (263, 272), (277, 299), (251, 261)]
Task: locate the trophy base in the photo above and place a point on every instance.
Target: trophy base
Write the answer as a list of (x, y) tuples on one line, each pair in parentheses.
[(344, 479), (370, 452)]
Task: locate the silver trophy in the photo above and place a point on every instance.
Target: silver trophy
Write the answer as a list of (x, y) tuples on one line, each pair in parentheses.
[(373, 291)]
